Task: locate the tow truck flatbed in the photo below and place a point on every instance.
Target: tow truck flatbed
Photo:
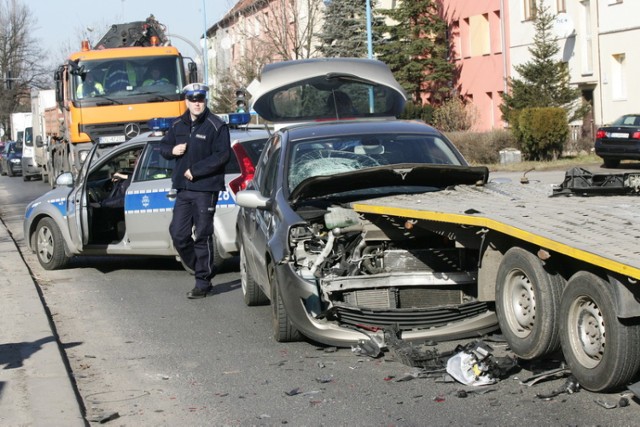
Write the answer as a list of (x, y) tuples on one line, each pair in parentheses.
[(602, 230)]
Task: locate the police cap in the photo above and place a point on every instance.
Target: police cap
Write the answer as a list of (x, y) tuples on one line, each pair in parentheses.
[(195, 90)]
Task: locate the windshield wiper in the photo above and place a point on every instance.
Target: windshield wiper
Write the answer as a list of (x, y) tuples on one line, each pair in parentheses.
[(157, 98), (109, 101)]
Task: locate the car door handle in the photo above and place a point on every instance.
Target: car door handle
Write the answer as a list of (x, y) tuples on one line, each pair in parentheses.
[(172, 194)]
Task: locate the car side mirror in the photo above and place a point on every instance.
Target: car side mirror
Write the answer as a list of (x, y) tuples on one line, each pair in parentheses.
[(65, 179), (252, 199)]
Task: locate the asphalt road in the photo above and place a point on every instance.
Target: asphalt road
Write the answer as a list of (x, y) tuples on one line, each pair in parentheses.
[(139, 347)]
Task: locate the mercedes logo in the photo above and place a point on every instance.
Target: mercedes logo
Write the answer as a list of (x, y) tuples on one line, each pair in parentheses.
[(131, 130)]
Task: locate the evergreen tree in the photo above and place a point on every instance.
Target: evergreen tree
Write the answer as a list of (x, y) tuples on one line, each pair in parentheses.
[(344, 31), (544, 80), (416, 48)]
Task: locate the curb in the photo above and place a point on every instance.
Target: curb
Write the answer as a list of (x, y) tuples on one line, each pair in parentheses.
[(35, 385)]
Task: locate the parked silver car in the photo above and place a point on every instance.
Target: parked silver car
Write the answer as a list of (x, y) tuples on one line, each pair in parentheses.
[(331, 274), (68, 221)]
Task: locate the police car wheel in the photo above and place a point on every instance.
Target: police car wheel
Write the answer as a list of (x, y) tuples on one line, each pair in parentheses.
[(49, 245)]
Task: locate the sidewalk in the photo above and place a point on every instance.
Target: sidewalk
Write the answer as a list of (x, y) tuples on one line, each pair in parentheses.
[(35, 388)]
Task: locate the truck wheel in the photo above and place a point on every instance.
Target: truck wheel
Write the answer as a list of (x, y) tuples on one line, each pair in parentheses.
[(50, 245), (601, 351), (283, 330), (251, 292), (527, 302)]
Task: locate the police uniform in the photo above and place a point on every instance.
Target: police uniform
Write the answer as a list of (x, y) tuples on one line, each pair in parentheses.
[(208, 151)]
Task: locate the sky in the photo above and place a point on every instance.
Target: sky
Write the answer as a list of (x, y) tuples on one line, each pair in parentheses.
[(63, 22)]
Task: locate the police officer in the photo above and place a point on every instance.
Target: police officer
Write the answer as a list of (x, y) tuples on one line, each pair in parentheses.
[(199, 141)]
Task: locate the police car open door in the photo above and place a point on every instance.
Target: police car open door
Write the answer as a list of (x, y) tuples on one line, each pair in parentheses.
[(149, 204)]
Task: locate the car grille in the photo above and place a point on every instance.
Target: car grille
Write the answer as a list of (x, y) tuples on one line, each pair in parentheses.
[(408, 318), (110, 129), (394, 298)]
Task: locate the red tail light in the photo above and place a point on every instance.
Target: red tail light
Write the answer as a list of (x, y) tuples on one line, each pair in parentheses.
[(247, 169), (601, 134), (636, 135)]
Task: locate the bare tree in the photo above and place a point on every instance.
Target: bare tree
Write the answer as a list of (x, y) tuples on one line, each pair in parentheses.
[(20, 60), (287, 27)]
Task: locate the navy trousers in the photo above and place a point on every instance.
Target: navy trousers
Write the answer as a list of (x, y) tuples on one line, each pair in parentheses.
[(195, 247)]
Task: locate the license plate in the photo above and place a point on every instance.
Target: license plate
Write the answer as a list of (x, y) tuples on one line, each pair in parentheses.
[(619, 135), (110, 139)]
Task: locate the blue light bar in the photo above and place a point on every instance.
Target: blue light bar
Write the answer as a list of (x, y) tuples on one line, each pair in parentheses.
[(160, 124), (239, 118)]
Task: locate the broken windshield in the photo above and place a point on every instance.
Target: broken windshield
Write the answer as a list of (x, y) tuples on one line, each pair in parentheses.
[(126, 80), (330, 156)]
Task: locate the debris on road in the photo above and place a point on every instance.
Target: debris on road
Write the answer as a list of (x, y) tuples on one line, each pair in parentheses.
[(570, 386)]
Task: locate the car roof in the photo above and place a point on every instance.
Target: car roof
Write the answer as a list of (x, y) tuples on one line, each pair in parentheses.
[(298, 90), (358, 127)]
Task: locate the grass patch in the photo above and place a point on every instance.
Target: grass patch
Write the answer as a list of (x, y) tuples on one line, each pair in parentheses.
[(562, 163)]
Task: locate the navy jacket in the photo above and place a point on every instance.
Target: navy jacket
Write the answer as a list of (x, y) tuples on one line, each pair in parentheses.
[(208, 151)]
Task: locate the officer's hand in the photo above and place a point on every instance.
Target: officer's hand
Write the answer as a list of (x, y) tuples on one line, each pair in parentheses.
[(188, 175), (178, 150)]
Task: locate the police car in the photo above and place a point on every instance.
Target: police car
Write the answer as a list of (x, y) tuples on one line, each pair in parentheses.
[(69, 221)]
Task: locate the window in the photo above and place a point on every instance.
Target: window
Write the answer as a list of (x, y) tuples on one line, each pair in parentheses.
[(479, 35), (529, 10), (587, 39), (457, 42), (618, 78), (153, 166), (561, 5)]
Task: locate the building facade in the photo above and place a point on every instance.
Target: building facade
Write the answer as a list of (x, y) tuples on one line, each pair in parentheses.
[(488, 38)]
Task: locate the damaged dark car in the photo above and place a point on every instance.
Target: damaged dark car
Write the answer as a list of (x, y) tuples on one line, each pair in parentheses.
[(330, 274)]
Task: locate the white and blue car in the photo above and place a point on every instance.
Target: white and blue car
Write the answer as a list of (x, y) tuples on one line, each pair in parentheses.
[(68, 220)]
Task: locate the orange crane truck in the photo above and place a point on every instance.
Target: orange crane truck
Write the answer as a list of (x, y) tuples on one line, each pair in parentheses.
[(107, 93)]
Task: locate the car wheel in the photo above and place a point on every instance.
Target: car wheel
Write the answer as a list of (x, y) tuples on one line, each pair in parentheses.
[(527, 303), (611, 163), (601, 351), (26, 177), (283, 330), (251, 292), (50, 245)]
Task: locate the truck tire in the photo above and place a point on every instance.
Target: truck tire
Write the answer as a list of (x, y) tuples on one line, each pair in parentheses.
[(527, 304), (283, 330), (251, 292), (601, 351), (49, 245)]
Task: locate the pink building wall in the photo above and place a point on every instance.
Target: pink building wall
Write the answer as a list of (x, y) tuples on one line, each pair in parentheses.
[(478, 42)]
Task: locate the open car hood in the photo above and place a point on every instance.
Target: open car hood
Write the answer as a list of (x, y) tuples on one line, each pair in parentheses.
[(407, 174), (298, 91)]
